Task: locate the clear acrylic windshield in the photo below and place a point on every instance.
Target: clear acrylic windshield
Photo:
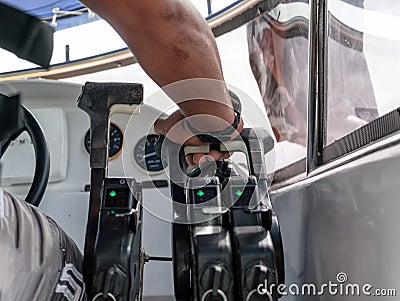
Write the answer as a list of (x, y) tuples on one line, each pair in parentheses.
[(362, 61), (86, 35)]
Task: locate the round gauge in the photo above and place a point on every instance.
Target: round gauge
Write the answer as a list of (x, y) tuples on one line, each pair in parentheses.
[(145, 154), (116, 140)]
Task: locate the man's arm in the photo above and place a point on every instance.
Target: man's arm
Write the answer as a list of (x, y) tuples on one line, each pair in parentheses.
[(172, 42)]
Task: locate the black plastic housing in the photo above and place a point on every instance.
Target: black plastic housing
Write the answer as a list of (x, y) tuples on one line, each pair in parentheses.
[(118, 258), (212, 265)]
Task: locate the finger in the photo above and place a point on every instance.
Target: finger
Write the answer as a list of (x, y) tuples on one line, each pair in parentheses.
[(211, 156), (163, 124), (200, 158), (189, 160), (160, 126), (197, 157), (216, 155), (225, 155), (206, 158)]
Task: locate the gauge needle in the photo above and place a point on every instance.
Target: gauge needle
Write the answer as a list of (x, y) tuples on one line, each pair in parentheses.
[(150, 154)]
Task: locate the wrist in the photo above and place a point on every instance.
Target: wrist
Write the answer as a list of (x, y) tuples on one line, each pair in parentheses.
[(231, 126)]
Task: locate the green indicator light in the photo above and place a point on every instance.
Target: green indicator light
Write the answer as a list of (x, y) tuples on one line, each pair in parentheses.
[(239, 192), (112, 193), (200, 193), (112, 212)]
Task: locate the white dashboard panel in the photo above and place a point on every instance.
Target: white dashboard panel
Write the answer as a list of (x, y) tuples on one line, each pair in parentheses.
[(48, 100), (18, 163)]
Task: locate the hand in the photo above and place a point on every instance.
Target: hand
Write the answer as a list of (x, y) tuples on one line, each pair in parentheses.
[(178, 131)]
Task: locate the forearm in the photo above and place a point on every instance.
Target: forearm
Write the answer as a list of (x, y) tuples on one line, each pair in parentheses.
[(172, 42)]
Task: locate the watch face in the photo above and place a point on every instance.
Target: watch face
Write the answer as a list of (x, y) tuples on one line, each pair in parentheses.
[(116, 140), (145, 154)]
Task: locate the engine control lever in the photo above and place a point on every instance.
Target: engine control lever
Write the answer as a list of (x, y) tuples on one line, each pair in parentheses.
[(244, 239), (118, 257), (99, 101)]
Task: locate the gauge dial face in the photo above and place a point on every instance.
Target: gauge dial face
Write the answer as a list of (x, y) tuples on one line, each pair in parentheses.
[(116, 140), (145, 154)]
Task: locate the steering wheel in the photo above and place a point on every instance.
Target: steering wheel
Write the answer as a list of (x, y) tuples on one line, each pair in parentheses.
[(42, 154)]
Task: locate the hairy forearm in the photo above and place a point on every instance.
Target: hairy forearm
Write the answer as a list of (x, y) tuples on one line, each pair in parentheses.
[(172, 42)]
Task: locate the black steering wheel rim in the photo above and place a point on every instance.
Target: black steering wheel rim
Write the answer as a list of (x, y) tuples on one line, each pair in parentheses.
[(42, 154)]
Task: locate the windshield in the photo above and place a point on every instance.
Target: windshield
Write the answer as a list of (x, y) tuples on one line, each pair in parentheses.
[(80, 34), (362, 62)]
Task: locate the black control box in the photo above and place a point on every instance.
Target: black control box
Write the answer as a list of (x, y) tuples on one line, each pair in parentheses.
[(241, 192), (118, 259), (203, 190)]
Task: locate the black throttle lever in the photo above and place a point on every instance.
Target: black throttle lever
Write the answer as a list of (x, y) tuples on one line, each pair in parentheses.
[(255, 143), (99, 101)]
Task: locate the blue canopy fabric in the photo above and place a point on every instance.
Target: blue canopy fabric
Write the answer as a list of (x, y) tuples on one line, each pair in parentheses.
[(43, 8)]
